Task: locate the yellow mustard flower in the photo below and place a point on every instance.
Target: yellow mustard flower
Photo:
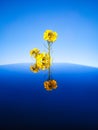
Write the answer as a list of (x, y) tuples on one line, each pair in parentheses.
[(43, 61), (40, 56), (43, 66), (46, 65), (39, 60), (50, 36), (34, 52), (46, 58), (34, 68)]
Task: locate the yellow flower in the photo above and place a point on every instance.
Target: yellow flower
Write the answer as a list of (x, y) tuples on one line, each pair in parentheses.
[(46, 58), (34, 52), (50, 36), (34, 68), (40, 56), (44, 66), (43, 61)]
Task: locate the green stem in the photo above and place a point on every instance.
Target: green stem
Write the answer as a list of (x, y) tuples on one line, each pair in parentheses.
[(49, 60)]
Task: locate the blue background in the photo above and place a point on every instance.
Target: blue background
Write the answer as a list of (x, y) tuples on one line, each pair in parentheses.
[(24, 103), (23, 22)]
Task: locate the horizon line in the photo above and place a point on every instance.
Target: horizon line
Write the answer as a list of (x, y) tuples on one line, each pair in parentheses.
[(54, 63)]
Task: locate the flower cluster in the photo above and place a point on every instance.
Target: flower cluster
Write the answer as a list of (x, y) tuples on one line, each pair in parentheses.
[(50, 85), (43, 60)]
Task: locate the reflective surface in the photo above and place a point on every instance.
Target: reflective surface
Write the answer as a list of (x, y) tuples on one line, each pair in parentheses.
[(25, 104)]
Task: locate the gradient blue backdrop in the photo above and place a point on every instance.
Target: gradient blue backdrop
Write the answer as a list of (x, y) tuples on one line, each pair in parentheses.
[(23, 22)]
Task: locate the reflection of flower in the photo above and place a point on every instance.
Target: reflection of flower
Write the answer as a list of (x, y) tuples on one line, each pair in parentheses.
[(50, 36), (50, 84), (47, 86), (34, 52), (34, 68)]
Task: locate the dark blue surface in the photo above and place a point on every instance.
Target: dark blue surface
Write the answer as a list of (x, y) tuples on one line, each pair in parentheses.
[(25, 104)]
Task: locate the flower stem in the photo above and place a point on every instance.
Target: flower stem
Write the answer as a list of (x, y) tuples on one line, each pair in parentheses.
[(49, 60)]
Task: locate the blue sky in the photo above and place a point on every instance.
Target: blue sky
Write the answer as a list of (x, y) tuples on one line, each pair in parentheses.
[(23, 22)]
